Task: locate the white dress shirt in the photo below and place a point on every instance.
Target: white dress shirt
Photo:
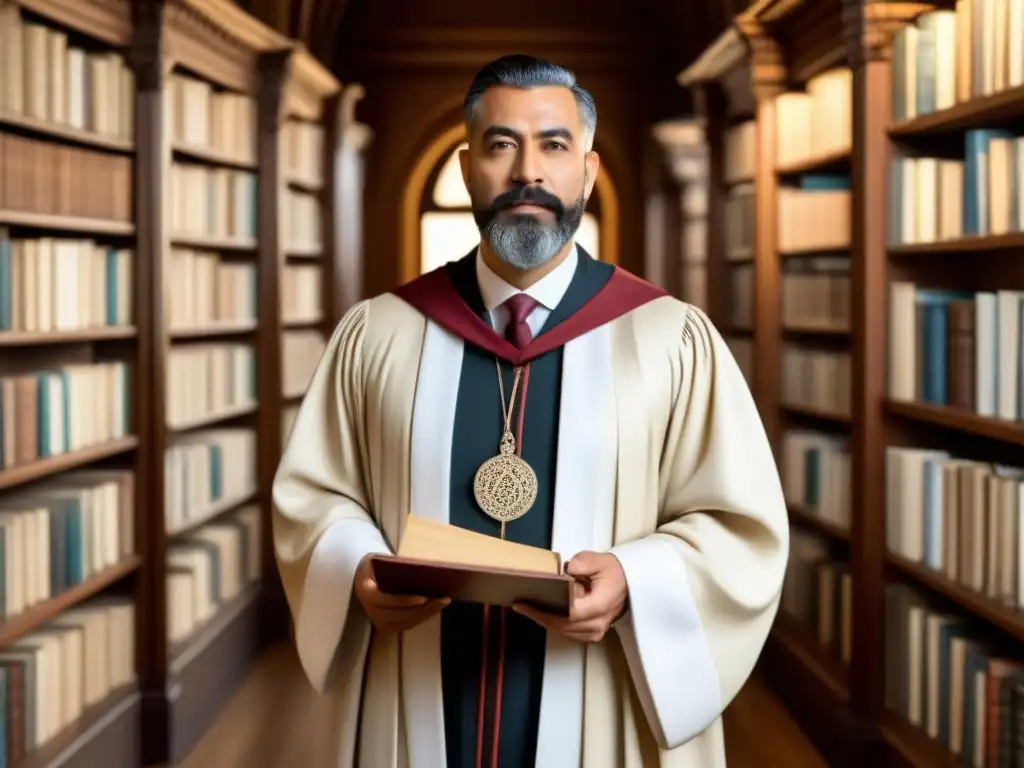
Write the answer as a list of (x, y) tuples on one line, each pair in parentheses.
[(547, 291)]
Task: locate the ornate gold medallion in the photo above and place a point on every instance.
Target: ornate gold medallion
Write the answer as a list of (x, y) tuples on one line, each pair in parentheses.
[(505, 486)]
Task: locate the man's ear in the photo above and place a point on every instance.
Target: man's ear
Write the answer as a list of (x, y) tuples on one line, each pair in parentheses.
[(593, 166), (464, 164)]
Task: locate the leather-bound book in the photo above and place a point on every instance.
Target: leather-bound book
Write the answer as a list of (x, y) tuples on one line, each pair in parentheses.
[(439, 560)]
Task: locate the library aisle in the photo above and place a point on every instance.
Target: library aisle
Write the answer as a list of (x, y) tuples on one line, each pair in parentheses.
[(276, 721)]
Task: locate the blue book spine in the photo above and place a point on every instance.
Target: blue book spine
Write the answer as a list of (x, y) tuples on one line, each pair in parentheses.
[(111, 281), (6, 289), (975, 149), (824, 182)]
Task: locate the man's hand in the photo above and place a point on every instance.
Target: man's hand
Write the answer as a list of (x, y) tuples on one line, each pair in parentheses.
[(392, 613), (600, 598)]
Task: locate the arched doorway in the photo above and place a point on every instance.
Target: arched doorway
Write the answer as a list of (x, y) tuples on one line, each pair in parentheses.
[(438, 226)]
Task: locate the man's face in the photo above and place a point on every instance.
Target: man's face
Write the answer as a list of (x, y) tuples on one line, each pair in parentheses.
[(528, 172)]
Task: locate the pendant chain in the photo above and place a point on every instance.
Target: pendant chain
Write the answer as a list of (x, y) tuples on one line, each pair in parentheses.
[(506, 412)]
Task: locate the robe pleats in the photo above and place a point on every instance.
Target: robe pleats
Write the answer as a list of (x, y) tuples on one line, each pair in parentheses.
[(465, 635)]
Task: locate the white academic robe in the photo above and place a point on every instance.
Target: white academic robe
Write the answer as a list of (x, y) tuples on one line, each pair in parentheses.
[(662, 460)]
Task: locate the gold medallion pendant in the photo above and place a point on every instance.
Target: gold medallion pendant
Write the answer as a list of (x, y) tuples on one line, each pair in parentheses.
[(505, 486)]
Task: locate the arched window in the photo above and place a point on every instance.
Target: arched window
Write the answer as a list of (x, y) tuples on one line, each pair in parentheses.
[(447, 228)]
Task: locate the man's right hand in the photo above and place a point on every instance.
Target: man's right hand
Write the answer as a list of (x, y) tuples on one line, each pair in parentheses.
[(392, 613)]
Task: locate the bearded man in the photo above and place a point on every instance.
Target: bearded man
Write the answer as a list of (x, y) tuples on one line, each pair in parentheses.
[(655, 482)]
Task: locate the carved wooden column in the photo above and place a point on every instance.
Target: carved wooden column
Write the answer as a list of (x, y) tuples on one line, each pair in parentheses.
[(768, 77), (685, 155), (147, 61), (868, 27), (350, 138)]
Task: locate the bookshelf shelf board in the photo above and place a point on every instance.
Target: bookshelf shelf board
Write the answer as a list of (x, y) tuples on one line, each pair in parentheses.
[(806, 253), (212, 157), (215, 510), (16, 627), (1004, 617), (801, 412), (834, 162), (976, 244), (210, 243), (106, 734), (912, 746), (299, 324), (817, 330), (215, 418), (959, 419), (799, 644), (739, 330), (66, 133), (303, 253), (305, 185), (37, 470), (739, 179), (223, 328), (39, 338), (981, 112), (66, 223), (208, 667), (807, 520), (183, 654), (742, 258)]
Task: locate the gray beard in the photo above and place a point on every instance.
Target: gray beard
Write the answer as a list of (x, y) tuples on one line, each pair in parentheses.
[(525, 242)]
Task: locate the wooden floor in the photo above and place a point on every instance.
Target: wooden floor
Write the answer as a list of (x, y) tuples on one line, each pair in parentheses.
[(274, 721)]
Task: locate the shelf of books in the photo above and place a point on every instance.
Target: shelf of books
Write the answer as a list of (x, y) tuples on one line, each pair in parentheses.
[(308, 158), (738, 256), (720, 79), (208, 555), (889, 296), (69, 451), (954, 388)]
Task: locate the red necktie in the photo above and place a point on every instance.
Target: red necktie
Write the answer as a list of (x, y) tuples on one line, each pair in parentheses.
[(518, 331)]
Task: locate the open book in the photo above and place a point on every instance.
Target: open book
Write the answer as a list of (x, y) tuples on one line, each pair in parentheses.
[(439, 560)]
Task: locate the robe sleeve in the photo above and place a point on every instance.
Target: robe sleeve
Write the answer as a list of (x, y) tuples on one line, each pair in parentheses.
[(321, 525), (705, 586)]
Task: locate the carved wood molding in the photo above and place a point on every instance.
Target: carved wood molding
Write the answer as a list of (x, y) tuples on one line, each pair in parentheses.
[(219, 41), (725, 54), (869, 25), (106, 20), (686, 149), (309, 85), (355, 136), (767, 64)]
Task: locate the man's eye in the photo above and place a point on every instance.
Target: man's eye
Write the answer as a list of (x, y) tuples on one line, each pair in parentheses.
[(501, 145), (556, 145)]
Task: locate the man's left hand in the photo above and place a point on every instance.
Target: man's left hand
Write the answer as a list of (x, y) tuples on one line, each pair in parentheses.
[(599, 600)]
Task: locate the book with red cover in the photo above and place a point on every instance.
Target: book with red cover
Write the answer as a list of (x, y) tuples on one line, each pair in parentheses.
[(439, 560)]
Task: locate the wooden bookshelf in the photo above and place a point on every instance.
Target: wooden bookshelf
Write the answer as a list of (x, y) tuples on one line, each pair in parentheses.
[(308, 154), (68, 393), (720, 79), (206, 101), (904, 579), (134, 349)]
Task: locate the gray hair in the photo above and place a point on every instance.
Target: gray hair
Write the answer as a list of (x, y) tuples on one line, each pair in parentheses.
[(520, 70)]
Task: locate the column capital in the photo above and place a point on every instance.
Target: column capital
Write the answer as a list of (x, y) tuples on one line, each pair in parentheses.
[(869, 26), (685, 147), (767, 63)]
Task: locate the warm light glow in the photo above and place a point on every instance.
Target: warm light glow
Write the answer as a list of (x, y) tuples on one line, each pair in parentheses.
[(588, 235), (446, 237), (450, 190)]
